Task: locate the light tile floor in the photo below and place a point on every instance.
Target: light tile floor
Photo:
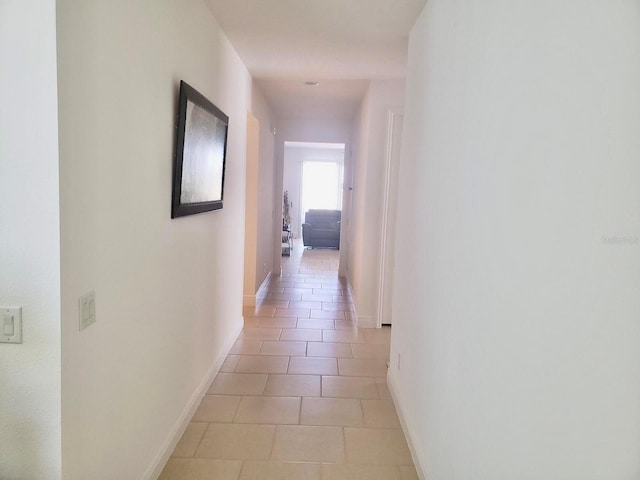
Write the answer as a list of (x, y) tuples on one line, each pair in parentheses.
[(302, 394)]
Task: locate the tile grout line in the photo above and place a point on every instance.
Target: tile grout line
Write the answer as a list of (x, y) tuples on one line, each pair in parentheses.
[(195, 453), (344, 442), (273, 442)]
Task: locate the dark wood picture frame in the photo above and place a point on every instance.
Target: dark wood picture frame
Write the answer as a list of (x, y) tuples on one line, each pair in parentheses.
[(201, 151)]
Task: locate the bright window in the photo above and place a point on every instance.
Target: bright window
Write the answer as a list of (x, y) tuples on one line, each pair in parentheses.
[(321, 186)]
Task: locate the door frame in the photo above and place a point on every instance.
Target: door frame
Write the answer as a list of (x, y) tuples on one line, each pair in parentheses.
[(389, 194)]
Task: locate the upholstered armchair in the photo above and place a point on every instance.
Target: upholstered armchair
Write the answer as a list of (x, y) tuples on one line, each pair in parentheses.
[(321, 228)]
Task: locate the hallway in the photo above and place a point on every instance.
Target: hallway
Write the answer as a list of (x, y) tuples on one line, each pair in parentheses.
[(302, 395)]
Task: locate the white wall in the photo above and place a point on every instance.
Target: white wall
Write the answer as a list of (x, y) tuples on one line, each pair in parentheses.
[(259, 225), (252, 175), (368, 187), (168, 292), (30, 241), (267, 229), (518, 255), (292, 183)]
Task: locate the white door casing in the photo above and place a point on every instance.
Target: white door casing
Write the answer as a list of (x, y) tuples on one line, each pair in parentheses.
[(389, 198)]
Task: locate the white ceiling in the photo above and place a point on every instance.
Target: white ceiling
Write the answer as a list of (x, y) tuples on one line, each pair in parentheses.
[(340, 43)]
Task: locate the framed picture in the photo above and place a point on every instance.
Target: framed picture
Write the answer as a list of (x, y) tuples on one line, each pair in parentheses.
[(201, 150)]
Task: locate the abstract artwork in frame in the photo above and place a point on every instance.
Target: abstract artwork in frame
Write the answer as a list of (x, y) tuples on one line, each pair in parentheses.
[(201, 147)]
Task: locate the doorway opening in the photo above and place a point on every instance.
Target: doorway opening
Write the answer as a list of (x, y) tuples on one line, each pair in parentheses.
[(313, 179)]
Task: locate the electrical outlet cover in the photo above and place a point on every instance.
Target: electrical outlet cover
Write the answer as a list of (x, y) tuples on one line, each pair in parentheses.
[(87, 310), (11, 319)]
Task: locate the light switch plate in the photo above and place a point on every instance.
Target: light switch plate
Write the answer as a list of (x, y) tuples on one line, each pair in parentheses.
[(10, 324), (87, 310)]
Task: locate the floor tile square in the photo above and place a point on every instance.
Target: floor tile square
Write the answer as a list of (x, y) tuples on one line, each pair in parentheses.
[(327, 291), (296, 290), (276, 347), (376, 446), (261, 333), (309, 444), (246, 346), (237, 441), (339, 412), (277, 322), (349, 325), (262, 364), (190, 440), (347, 471), (285, 296), (292, 312), (200, 469), (216, 408), (328, 314), (328, 349), (383, 388), (380, 413), (238, 384), (305, 305), (313, 366), (335, 307), (284, 283), (293, 385), (280, 471), (349, 387), (370, 350), (230, 363), (316, 323), (362, 367), (306, 297), (301, 334), (269, 410), (342, 336), (266, 302), (306, 285), (258, 311)]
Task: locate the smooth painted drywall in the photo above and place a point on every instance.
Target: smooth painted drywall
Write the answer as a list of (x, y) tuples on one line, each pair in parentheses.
[(259, 223), (30, 241), (266, 227), (168, 292), (368, 173), (251, 211), (517, 306)]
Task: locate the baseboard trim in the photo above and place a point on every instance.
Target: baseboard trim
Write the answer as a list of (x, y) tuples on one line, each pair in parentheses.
[(353, 299), (251, 300), (169, 445), (393, 388), (363, 321), (264, 285)]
